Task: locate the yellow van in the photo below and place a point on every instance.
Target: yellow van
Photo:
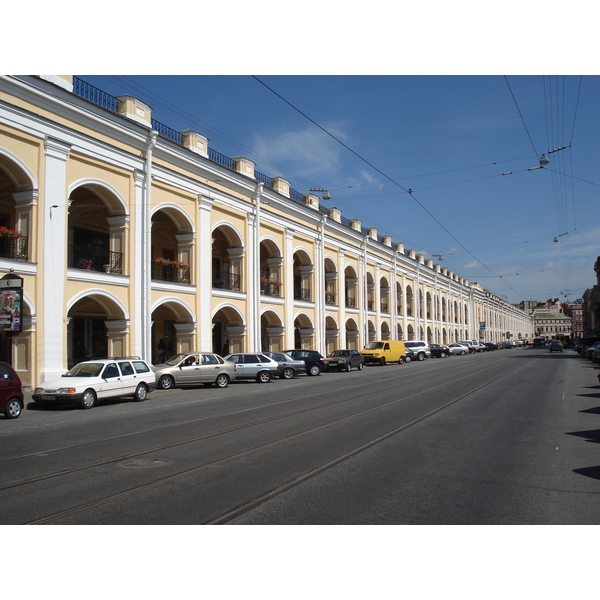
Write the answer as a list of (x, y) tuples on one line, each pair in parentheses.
[(385, 351)]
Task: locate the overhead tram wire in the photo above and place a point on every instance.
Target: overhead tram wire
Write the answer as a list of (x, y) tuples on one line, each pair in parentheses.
[(387, 177), (521, 115)]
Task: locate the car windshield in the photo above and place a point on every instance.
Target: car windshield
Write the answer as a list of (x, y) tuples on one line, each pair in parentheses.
[(374, 346), (175, 360), (340, 353), (84, 370)]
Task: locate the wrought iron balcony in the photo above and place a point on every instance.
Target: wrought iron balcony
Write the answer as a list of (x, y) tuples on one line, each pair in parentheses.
[(270, 289), (14, 247), (226, 281), (170, 272), (82, 257), (302, 294)]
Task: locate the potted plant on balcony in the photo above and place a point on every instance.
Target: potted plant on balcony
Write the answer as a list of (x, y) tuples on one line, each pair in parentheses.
[(162, 261), (10, 233), (330, 297), (218, 283), (85, 263)]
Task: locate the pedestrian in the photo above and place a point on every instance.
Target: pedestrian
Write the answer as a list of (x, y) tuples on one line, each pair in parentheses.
[(225, 350), (161, 353)]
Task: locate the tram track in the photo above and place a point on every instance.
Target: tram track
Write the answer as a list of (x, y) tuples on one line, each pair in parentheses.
[(247, 505)]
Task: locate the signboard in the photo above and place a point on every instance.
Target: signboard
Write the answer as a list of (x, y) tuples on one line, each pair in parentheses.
[(11, 301)]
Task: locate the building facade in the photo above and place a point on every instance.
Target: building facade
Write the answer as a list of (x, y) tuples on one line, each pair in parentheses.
[(128, 234)]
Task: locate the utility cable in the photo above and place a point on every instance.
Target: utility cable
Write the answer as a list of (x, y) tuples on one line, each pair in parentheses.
[(409, 192)]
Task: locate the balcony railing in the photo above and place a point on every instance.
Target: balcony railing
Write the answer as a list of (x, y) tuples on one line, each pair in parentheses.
[(270, 289), (383, 305), (302, 294), (350, 302), (170, 273), (226, 281), (14, 247), (81, 257), (330, 299)]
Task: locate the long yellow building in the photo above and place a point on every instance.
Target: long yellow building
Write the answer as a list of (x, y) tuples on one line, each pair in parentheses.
[(128, 234)]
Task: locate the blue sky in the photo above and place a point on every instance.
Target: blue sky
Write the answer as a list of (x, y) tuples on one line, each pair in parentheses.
[(450, 139)]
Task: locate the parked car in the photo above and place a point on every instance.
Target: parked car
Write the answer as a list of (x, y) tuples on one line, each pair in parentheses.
[(382, 351), (288, 367), (458, 349), (193, 368), (489, 346), (344, 360), (589, 351), (11, 392), (253, 366), (439, 350), (313, 360), (555, 346), (469, 345), (420, 349), (99, 379)]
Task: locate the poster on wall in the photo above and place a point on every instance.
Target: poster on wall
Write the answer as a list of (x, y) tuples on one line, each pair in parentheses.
[(11, 296)]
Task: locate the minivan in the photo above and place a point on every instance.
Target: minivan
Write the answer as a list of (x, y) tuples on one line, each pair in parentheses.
[(384, 351)]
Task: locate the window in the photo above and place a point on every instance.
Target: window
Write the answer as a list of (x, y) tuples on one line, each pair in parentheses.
[(126, 368), (111, 371)]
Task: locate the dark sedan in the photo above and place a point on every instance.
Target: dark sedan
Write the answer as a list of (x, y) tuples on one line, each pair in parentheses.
[(344, 360), (439, 350), (314, 361)]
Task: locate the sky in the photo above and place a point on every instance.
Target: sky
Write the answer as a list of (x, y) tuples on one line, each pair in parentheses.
[(441, 163)]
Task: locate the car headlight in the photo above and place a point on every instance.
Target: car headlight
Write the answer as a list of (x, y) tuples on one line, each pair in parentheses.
[(39, 390), (66, 391)]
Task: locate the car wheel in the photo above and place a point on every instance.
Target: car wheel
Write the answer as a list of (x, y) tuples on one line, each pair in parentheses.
[(382, 362), (442, 355), (348, 368), (264, 377), (287, 373), (89, 399), (360, 366), (420, 356), (402, 360), (463, 353), (141, 393), (314, 370), (407, 359), (222, 381), (166, 382), (13, 409)]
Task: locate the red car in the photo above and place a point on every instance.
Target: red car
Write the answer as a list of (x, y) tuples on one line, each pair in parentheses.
[(11, 392)]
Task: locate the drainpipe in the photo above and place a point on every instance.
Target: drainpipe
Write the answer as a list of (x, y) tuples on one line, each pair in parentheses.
[(256, 270), (146, 273)]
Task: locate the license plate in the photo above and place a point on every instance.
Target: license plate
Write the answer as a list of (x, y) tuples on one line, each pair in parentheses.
[(47, 397)]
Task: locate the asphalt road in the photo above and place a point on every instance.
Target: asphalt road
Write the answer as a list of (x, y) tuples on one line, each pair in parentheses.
[(506, 437)]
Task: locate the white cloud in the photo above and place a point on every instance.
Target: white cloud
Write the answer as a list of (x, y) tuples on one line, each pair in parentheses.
[(309, 152)]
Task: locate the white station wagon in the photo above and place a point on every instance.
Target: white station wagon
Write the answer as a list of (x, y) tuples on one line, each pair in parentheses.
[(98, 379)]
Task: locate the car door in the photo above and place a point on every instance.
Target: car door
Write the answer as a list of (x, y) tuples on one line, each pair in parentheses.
[(110, 384), (128, 377), (190, 370), (252, 365), (8, 385), (211, 366)]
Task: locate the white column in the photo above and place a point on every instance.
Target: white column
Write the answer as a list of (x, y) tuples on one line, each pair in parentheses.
[(203, 275), (55, 210), (289, 289)]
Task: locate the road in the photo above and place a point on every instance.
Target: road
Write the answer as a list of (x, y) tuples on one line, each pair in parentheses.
[(505, 437)]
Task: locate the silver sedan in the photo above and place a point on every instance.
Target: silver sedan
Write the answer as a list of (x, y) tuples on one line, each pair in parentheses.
[(458, 349), (192, 368)]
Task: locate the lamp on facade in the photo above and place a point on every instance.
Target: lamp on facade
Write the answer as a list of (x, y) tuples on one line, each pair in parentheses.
[(325, 195)]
